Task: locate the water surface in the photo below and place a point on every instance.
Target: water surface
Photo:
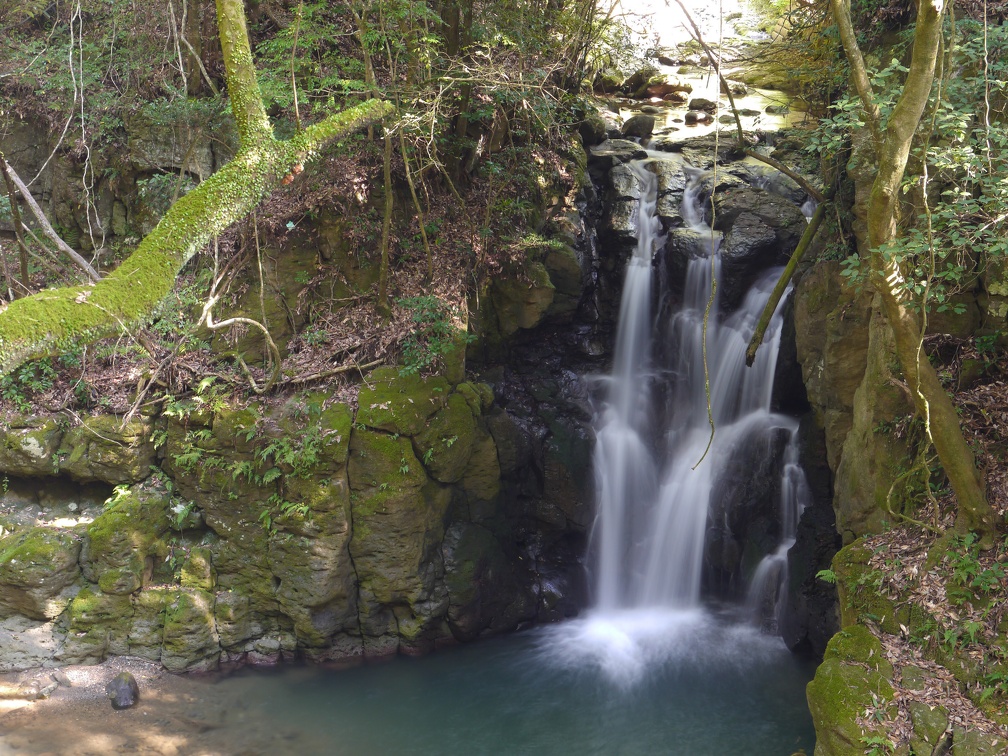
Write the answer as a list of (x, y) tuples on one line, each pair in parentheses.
[(640, 683)]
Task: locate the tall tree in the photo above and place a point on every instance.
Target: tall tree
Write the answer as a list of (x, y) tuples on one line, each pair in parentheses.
[(52, 321), (893, 142)]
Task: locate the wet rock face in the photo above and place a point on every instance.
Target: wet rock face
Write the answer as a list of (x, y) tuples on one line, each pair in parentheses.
[(123, 691), (744, 519), (759, 230), (811, 616)]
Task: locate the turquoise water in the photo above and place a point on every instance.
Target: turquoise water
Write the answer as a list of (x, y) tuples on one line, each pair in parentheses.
[(682, 684)]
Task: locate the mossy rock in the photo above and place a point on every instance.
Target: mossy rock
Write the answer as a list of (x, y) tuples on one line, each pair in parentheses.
[(125, 539), (380, 460), (28, 447), (446, 444), (861, 592), (37, 567), (831, 332), (155, 143), (336, 421), (592, 128), (873, 457), (242, 562), (237, 428), (198, 570), (567, 277), (474, 396), (396, 544), (484, 592), (481, 480), (929, 724), (857, 644), (317, 584), (514, 449), (146, 633), (321, 494), (607, 82), (98, 625), (522, 300), (236, 621), (852, 677), (400, 403), (190, 632), (101, 450)]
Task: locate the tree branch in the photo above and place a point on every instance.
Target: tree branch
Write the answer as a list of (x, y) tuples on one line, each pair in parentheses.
[(44, 224), (52, 321)]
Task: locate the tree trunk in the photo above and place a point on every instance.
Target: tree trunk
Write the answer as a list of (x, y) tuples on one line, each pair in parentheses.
[(191, 30), (53, 321), (930, 398)]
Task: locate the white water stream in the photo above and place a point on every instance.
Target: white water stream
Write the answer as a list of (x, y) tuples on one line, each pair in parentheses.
[(654, 471)]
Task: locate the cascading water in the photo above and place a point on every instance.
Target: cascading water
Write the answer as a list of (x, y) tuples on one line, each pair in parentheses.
[(657, 464)]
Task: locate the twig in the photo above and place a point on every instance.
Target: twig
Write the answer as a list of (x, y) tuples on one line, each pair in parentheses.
[(782, 283), (46, 227), (330, 373)]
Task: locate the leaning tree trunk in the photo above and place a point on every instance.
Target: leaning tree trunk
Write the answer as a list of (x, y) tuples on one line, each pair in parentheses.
[(54, 320), (893, 147)]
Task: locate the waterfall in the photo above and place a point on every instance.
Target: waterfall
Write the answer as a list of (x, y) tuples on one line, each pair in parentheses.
[(655, 474), (661, 491)]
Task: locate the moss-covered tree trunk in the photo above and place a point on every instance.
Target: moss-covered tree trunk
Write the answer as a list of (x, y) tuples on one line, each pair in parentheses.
[(893, 149), (54, 320)]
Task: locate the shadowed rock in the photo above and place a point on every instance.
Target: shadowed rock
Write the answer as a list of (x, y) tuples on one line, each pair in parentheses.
[(123, 691)]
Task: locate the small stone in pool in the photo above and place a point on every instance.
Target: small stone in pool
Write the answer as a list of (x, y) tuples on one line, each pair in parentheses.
[(122, 691)]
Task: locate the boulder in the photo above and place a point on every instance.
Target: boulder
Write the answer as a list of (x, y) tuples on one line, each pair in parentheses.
[(593, 130), (101, 449), (750, 247), (636, 85), (122, 691), (613, 152), (28, 446), (123, 541), (761, 230), (640, 126), (704, 105), (37, 568)]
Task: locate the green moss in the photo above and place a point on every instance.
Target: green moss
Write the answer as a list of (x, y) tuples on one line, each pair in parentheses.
[(862, 593), (838, 694), (446, 444), (858, 644), (383, 461), (123, 537), (400, 403)]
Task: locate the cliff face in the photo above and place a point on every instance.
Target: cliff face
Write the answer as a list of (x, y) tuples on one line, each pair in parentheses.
[(420, 511), (902, 674), (248, 532)]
